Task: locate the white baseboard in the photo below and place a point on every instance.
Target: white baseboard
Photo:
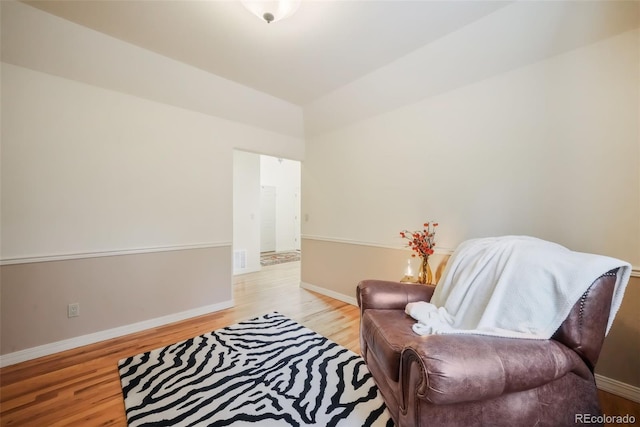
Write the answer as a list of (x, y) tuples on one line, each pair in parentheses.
[(68, 344), (618, 388), (604, 383), (327, 292)]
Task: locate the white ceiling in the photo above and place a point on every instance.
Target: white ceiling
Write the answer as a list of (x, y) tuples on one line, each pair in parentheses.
[(331, 51), (324, 46)]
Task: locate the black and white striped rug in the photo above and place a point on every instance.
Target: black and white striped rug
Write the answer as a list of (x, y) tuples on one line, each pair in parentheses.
[(269, 371)]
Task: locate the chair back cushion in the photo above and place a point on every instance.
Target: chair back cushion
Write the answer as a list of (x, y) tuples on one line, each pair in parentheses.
[(584, 329)]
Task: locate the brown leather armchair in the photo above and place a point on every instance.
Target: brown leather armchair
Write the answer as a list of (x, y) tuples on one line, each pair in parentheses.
[(474, 380)]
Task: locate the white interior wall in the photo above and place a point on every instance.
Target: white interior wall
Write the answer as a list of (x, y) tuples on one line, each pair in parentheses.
[(550, 150), (284, 174), (104, 171), (131, 182), (246, 210), (92, 168)]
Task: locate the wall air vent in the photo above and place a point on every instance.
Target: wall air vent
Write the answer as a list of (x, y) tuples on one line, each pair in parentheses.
[(239, 260)]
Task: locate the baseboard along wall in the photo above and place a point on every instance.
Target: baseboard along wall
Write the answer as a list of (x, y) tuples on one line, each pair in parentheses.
[(68, 344), (618, 388), (609, 385), (329, 293)]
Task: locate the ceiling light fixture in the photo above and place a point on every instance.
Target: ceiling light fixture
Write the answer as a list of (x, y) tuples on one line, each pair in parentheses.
[(271, 10)]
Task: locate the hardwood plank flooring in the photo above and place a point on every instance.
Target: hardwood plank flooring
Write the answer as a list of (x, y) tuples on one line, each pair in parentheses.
[(616, 405), (81, 387)]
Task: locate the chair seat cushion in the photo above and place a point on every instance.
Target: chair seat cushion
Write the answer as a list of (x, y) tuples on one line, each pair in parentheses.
[(387, 332)]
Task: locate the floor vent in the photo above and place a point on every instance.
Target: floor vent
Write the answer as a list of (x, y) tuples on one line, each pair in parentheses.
[(239, 260)]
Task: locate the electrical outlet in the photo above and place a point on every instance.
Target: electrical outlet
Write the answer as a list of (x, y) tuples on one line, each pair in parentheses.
[(73, 310)]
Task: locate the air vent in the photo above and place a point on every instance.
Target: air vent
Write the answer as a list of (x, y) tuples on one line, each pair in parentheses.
[(239, 260)]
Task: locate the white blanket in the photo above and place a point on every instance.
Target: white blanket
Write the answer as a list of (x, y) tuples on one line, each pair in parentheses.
[(513, 286)]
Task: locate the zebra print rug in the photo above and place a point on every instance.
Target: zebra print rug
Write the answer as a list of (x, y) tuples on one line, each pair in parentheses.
[(269, 371)]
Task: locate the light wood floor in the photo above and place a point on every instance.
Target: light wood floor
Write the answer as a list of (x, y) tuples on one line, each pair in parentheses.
[(81, 387)]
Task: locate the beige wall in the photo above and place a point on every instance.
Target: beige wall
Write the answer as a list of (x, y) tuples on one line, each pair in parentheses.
[(338, 267), (550, 149), (620, 357), (113, 291)]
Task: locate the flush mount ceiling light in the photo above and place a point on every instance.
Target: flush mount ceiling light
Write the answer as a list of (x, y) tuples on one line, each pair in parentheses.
[(271, 10)]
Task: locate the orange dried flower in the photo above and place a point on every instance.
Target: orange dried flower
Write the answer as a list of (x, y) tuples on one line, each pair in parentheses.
[(422, 242)]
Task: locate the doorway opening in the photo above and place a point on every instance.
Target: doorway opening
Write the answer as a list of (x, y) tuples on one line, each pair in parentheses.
[(266, 211)]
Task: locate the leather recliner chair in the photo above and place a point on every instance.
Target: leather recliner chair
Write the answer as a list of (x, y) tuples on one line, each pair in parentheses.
[(476, 380)]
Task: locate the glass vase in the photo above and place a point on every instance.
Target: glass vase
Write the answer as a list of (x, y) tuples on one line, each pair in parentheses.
[(424, 274)]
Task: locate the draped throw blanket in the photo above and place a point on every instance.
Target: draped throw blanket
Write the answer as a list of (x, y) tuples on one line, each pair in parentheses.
[(513, 286)]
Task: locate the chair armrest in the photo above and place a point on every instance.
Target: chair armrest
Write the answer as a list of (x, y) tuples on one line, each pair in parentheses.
[(465, 368), (387, 295)]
